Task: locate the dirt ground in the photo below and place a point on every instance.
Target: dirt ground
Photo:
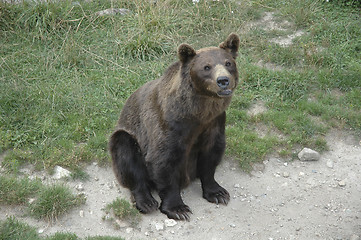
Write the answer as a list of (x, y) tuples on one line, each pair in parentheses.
[(280, 199)]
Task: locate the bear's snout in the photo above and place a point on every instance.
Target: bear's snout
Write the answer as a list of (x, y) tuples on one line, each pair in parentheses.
[(223, 82)]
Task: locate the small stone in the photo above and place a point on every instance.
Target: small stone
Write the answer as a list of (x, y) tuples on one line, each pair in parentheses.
[(41, 230), (329, 163), (237, 185), (232, 225), (159, 226), (286, 174), (81, 213), (354, 237), (60, 172), (113, 11), (308, 155), (146, 234), (79, 187), (301, 174), (342, 183), (170, 222), (121, 224), (129, 230), (96, 179), (31, 200)]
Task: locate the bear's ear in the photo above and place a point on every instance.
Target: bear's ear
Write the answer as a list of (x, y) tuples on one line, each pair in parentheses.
[(185, 52), (231, 44)]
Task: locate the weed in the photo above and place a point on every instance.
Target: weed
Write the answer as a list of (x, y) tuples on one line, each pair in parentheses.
[(17, 191), (123, 210), (63, 236), (53, 201), (12, 229)]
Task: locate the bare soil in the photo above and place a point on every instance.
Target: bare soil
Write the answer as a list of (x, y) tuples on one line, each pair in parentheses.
[(280, 199)]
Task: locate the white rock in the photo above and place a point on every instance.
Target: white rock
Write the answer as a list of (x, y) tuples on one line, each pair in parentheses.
[(170, 222), (81, 213), (79, 187), (354, 237), (308, 155), (329, 163), (113, 11), (159, 226), (60, 172), (342, 183), (129, 230), (237, 185), (301, 174), (31, 200), (41, 230), (286, 174)]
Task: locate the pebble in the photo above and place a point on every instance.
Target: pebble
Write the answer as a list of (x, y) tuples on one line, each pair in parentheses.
[(41, 230), (31, 200), (129, 230), (60, 172), (329, 163), (286, 174), (170, 222), (81, 213), (232, 225), (113, 11), (354, 237), (159, 226), (342, 183), (237, 185), (308, 154), (79, 187)]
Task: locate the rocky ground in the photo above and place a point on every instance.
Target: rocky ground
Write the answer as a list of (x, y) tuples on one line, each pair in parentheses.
[(280, 199)]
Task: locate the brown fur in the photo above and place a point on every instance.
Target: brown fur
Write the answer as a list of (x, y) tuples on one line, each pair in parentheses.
[(172, 127)]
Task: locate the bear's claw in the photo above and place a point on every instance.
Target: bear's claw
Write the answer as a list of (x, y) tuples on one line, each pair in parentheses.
[(147, 205), (180, 212), (220, 196)]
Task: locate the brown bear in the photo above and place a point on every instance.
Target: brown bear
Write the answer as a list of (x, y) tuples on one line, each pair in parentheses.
[(172, 130)]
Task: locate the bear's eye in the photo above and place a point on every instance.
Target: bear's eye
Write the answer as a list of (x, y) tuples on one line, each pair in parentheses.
[(228, 64), (207, 68)]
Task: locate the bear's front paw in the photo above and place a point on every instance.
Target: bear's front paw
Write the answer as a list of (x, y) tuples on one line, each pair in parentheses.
[(180, 212), (217, 195), (146, 204)]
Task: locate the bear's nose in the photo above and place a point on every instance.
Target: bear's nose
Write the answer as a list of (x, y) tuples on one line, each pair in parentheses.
[(223, 82)]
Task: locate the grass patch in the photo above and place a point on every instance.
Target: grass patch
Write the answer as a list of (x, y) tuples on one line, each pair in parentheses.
[(50, 201), (124, 211), (13, 229), (66, 72), (14, 191), (53, 201)]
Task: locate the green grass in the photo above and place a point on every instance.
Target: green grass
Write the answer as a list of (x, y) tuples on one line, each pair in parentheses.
[(54, 201), (65, 73), (49, 201), (123, 210), (14, 191), (13, 229)]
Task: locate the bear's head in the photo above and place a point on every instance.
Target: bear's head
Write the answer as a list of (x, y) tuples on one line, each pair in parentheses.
[(212, 70)]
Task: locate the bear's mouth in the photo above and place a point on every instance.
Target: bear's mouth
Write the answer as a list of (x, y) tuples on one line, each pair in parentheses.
[(225, 93)]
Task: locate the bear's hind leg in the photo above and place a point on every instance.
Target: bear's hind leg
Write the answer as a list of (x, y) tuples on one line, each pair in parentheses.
[(130, 169)]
